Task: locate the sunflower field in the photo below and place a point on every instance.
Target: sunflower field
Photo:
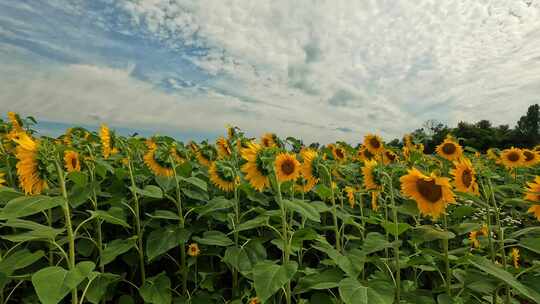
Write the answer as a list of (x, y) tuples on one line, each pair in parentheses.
[(95, 217)]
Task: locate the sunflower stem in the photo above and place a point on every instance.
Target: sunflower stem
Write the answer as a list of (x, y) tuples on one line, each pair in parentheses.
[(138, 229), (396, 239), (69, 226), (284, 225), (181, 224), (446, 259)]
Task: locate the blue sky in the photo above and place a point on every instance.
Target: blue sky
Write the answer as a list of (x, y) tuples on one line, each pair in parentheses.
[(320, 70)]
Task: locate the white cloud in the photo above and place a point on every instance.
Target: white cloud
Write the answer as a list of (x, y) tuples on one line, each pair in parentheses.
[(395, 59)]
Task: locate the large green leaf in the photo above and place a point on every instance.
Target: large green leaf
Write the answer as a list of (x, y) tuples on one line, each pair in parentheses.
[(501, 274), (325, 279), (116, 248), (150, 191), (36, 231), (269, 278), (375, 242), (53, 283), (216, 204), (259, 221), (157, 290), (28, 205), (98, 287), (304, 209), (109, 218), (164, 239), (216, 238), (352, 292), (428, 233), (19, 259), (197, 182), (7, 194), (532, 244)]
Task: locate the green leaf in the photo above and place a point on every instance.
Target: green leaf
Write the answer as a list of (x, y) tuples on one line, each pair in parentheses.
[(390, 227), (53, 283), (116, 248), (98, 287), (28, 205), (323, 191), (37, 231), (525, 231), (7, 194), (164, 215), (269, 278), (196, 194), (78, 178), (18, 260), (216, 204), (109, 218), (157, 290), (342, 261), (197, 182), (215, 238), (501, 274), (428, 233), (164, 239), (259, 221), (304, 209), (326, 279), (352, 292), (375, 242), (150, 191), (532, 244)]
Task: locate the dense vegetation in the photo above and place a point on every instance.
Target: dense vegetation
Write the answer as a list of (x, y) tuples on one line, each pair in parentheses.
[(100, 218)]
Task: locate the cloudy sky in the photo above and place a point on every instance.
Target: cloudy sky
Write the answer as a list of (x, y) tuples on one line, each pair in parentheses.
[(320, 70)]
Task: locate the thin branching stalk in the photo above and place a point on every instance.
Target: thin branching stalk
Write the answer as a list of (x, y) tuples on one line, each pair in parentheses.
[(138, 230)]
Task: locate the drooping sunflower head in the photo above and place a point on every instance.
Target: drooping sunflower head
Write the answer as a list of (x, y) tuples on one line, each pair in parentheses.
[(106, 145), (30, 167), (256, 169), (512, 158), (223, 147), (492, 154), (408, 140), (449, 149), (193, 250), (231, 132), (532, 192), (206, 155), (223, 176), (338, 153), (515, 257), (309, 168), (2, 179), (530, 158), (374, 144), (71, 161), (535, 210), (431, 193), (349, 192), (156, 159), (389, 157), (364, 154), (371, 179), (269, 140), (287, 167), (464, 176), (178, 156)]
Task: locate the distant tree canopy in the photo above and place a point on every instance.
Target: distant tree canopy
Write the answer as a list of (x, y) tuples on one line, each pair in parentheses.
[(482, 135)]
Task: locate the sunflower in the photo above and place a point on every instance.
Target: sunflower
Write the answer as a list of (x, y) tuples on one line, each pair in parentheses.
[(153, 164), (535, 209), (71, 161), (222, 176), (105, 135), (254, 300), (530, 158), (370, 182), (537, 148), (512, 158), (515, 257), (223, 147), (532, 192), (364, 154), (205, 156), (176, 156), (374, 144), (256, 174), (473, 236), (449, 149), (67, 138), (349, 191), (308, 169), (287, 167), (338, 153), (374, 198), (268, 140), (193, 250), (2, 179), (431, 193), (408, 140), (389, 157), (464, 176), (28, 165)]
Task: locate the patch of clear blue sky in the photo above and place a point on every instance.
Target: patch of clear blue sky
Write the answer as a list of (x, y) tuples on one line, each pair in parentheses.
[(55, 37)]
